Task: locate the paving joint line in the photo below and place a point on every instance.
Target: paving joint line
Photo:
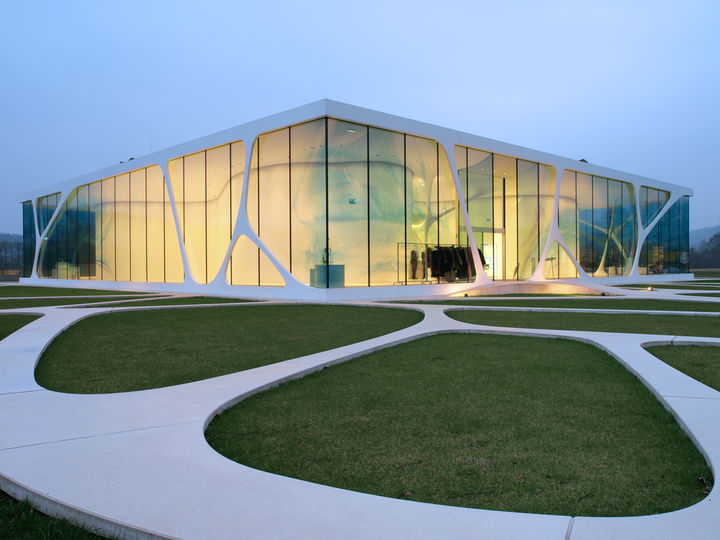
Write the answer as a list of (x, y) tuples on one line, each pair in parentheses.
[(99, 435)]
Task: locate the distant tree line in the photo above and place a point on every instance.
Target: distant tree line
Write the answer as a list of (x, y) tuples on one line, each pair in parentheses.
[(11, 259), (706, 254)]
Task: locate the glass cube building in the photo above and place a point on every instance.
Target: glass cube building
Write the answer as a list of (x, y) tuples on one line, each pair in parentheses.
[(334, 202)]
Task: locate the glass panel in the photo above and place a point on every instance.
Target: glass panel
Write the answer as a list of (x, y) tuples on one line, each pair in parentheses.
[(387, 212), (138, 238), (348, 203), (28, 238), (174, 271), (567, 213), (194, 211), (666, 247), (460, 155), (95, 230), (527, 209), (600, 226), (83, 232), (547, 202), (218, 208), (421, 206), (585, 222), (307, 204), (176, 168), (480, 207), (245, 263), (683, 234), (57, 246), (237, 174), (46, 208), (253, 214), (122, 227), (274, 202), (629, 226), (614, 261), (505, 172), (155, 225), (448, 202), (651, 202), (107, 243)]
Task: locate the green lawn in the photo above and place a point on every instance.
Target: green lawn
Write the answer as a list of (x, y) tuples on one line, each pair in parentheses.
[(126, 351), (679, 285), (706, 272), (19, 521), (11, 323), (23, 291), (701, 363), (682, 325), (39, 302), (188, 300), (711, 294), (505, 423), (599, 303)]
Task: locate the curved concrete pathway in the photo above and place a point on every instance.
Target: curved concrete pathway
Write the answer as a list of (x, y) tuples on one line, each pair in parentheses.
[(137, 464)]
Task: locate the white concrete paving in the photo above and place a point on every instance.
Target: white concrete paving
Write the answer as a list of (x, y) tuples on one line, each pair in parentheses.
[(137, 464)]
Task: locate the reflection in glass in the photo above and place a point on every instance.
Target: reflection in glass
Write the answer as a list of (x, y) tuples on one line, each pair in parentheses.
[(28, 238), (387, 212), (308, 206), (113, 229), (666, 248), (348, 202)]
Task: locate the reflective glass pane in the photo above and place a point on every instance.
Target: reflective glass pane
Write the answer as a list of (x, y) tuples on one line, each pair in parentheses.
[(245, 259), (274, 201), (387, 212), (122, 227), (107, 242), (155, 225), (460, 156), (506, 186), (237, 174), (218, 230), (307, 205), (567, 212), (600, 226), (195, 224), (480, 207), (585, 221), (348, 203), (421, 183), (546, 195), (527, 208), (138, 232), (28, 238), (95, 230)]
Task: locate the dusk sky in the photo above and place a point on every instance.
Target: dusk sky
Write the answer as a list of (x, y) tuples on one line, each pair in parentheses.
[(630, 85)]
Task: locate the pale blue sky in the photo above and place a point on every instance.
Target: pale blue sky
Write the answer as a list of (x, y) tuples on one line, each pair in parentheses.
[(631, 85)]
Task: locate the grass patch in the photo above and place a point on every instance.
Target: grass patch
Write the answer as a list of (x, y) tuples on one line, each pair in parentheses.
[(41, 302), (124, 351), (475, 420), (712, 294), (18, 520), (681, 325), (23, 291), (600, 303), (12, 323), (188, 300), (706, 272), (700, 363), (679, 286)]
